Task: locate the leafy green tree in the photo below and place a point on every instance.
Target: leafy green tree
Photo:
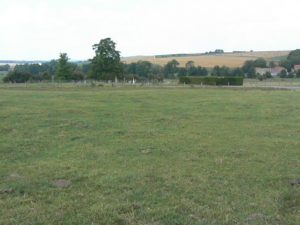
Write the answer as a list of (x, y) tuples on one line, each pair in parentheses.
[(221, 71), (291, 75), (28, 68), (143, 69), (106, 64), (51, 67), (260, 62), (283, 74), (249, 69), (78, 75), (46, 76), (17, 77), (237, 72), (268, 75), (157, 70), (171, 69), (86, 68), (189, 64), (182, 72), (287, 64), (298, 74), (191, 70), (64, 70), (294, 57), (5, 67), (198, 71), (272, 64), (216, 71)]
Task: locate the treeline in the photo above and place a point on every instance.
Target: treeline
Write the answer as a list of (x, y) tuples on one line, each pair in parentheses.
[(44, 72), (249, 67), (145, 70), (4, 68), (142, 71), (292, 60), (107, 66)]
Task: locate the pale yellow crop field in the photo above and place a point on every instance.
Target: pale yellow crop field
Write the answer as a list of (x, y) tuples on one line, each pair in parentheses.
[(228, 59)]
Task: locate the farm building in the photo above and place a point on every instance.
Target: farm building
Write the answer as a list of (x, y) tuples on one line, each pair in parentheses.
[(277, 70), (296, 67), (262, 71), (274, 71)]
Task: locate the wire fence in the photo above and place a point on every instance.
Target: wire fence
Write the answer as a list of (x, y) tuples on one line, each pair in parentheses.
[(248, 83)]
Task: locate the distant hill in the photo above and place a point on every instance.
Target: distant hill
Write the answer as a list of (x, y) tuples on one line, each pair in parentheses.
[(232, 59), (208, 59), (20, 61)]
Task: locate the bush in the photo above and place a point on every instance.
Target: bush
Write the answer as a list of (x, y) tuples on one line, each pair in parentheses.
[(283, 74), (290, 75), (219, 81), (298, 74), (17, 77), (268, 75)]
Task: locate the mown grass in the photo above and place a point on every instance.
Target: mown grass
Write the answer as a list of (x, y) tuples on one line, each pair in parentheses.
[(149, 156)]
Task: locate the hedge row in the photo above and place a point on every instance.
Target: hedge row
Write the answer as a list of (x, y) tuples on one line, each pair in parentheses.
[(220, 81)]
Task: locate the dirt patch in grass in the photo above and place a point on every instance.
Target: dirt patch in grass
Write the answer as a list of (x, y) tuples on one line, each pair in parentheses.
[(62, 183), (7, 191), (295, 183)]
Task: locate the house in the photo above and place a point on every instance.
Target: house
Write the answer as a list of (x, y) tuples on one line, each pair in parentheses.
[(275, 71), (262, 71), (296, 67)]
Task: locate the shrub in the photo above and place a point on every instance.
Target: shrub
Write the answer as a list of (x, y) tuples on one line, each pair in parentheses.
[(283, 74), (17, 77), (220, 81), (298, 74)]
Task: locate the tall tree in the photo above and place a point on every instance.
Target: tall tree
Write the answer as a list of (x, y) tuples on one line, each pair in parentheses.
[(189, 64), (171, 69), (64, 71), (249, 69), (260, 62), (106, 64), (292, 59)]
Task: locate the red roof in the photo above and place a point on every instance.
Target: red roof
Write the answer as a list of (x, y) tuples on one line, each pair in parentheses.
[(277, 70), (297, 67)]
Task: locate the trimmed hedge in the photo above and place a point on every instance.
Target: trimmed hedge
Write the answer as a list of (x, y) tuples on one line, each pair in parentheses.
[(219, 81)]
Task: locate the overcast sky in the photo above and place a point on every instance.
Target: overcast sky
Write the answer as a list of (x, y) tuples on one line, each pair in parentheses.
[(37, 29)]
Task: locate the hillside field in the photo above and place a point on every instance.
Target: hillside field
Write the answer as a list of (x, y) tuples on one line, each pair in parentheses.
[(149, 156), (228, 59)]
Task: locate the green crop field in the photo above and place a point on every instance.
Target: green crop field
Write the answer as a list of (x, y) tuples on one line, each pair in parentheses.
[(149, 156)]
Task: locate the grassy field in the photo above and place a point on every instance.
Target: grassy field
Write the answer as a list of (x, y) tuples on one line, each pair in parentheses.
[(149, 156), (229, 59)]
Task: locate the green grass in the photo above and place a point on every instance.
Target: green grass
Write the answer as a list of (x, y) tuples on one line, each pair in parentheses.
[(149, 156), (278, 82)]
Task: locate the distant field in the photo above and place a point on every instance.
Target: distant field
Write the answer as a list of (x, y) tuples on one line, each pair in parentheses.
[(228, 59), (144, 156)]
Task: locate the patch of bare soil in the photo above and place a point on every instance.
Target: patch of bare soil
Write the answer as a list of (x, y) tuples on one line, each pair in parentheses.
[(7, 191), (295, 183), (62, 183)]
